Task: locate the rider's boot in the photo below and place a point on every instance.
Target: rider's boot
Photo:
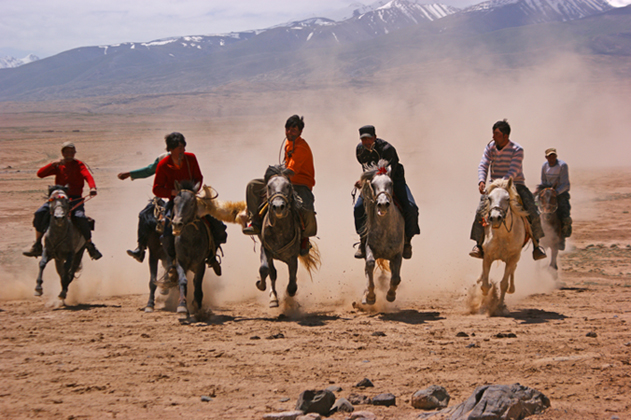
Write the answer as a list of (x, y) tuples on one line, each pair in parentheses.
[(138, 254), (212, 262), (95, 254), (566, 227), (538, 253), (361, 249), (305, 246), (35, 251), (407, 248), (477, 251), (252, 229)]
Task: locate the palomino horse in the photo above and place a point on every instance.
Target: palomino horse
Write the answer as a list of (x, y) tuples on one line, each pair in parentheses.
[(546, 197), (281, 234), (384, 229), (506, 233), (63, 242), (193, 244)]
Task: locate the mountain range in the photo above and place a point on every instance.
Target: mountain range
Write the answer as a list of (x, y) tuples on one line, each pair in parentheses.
[(366, 40)]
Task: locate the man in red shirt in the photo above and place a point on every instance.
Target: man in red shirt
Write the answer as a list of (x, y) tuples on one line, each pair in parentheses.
[(299, 159), (182, 166), (73, 173)]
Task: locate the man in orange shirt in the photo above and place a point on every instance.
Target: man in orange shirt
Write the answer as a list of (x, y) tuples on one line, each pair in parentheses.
[(299, 159)]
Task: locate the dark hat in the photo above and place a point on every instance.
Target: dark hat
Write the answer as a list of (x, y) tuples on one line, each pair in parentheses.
[(367, 131)]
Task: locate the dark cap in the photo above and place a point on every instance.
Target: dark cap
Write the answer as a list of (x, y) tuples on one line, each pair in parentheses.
[(367, 131)]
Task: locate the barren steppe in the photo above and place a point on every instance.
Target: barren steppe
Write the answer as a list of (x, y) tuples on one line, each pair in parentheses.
[(102, 356)]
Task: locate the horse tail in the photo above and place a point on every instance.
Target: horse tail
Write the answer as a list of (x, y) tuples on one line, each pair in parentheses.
[(383, 264), (311, 262)]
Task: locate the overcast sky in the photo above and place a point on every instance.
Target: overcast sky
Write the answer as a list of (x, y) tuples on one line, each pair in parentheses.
[(48, 27)]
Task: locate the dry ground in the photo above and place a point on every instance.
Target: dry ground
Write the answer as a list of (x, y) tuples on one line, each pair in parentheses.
[(103, 357)]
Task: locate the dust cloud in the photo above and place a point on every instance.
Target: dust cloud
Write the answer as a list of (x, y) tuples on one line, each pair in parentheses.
[(439, 126)]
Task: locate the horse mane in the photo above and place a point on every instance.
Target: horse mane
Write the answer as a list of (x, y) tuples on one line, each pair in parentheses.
[(187, 184), (514, 199), (382, 167), (543, 186), (274, 170)]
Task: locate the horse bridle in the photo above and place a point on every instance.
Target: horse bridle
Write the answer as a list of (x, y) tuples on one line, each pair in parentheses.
[(540, 193), (504, 213), (170, 219)]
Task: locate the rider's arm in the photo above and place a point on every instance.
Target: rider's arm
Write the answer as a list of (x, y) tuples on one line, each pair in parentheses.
[(515, 164), (161, 182), (485, 162), (48, 170), (87, 175), (564, 180), (148, 170)]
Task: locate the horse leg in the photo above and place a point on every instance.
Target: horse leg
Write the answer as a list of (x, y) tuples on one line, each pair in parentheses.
[(197, 281), (509, 274), (182, 281), (554, 252), (511, 284), (292, 286), (484, 277), (273, 275), (39, 290), (263, 271), (64, 270), (153, 274), (369, 293), (395, 278)]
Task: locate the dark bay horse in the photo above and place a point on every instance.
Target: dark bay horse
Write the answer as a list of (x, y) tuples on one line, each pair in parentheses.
[(546, 198), (63, 242), (193, 243), (384, 229), (156, 254), (281, 233)]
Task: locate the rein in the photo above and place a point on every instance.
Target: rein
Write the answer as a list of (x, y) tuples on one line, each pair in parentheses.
[(271, 222), (504, 213), (81, 200)]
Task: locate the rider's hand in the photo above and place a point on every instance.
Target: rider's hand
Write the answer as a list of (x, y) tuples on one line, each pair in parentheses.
[(92, 192), (123, 175), (358, 184), (481, 187)]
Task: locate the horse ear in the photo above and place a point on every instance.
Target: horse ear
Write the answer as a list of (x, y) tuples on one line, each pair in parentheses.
[(197, 186), (288, 172), (177, 186), (510, 182)]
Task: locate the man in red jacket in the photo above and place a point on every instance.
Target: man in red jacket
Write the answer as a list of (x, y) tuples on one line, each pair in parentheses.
[(73, 173), (182, 166)]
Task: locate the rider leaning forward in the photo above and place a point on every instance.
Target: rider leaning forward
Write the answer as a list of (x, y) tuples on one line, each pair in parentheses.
[(299, 159), (504, 157), (369, 151), (72, 173), (182, 166)]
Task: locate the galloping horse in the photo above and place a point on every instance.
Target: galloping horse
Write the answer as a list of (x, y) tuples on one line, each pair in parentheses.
[(546, 197), (156, 253), (63, 242), (193, 243), (281, 233), (384, 229), (506, 233)]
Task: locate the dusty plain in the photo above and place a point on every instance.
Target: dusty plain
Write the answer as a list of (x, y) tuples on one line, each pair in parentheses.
[(102, 356)]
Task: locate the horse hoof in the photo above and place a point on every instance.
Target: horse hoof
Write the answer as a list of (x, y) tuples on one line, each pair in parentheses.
[(62, 295), (292, 289), (485, 290), (182, 309), (261, 285), (369, 299), (511, 290), (273, 303), (149, 309), (391, 296), (38, 291)]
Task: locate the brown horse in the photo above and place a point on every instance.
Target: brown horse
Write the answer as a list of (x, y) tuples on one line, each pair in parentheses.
[(546, 198)]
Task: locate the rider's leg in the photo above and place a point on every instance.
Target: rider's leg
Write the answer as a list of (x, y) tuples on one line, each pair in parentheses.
[(146, 223), (308, 216), (410, 215), (477, 229), (563, 212), (41, 220), (359, 214), (528, 201), (254, 198), (84, 226), (220, 236)]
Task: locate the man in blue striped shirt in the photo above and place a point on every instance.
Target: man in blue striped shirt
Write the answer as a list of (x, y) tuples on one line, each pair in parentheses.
[(505, 158)]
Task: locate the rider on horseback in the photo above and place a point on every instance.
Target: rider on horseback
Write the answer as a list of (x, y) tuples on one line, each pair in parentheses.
[(554, 172), (73, 173), (181, 166), (369, 152), (299, 159), (146, 216), (505, 158)]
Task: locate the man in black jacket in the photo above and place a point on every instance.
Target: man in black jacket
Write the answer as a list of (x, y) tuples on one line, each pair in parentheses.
[(369, 152)]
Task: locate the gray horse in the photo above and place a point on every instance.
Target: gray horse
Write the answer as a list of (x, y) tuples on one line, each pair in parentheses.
[(63, 242), (281, 233), (193, 243), (384, 229), (546, 198)]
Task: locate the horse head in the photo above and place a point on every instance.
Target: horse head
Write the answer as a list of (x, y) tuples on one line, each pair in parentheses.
[(279, 190), (184, 205), (380, 183), (499, 198), (59, 203), (546, 197)]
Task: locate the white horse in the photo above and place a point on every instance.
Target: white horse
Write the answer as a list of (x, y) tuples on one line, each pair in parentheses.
[(384, 229), (506, 232)]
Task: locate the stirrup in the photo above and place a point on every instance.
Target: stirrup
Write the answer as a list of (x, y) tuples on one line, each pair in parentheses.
[(477, 252), (538, 253)]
